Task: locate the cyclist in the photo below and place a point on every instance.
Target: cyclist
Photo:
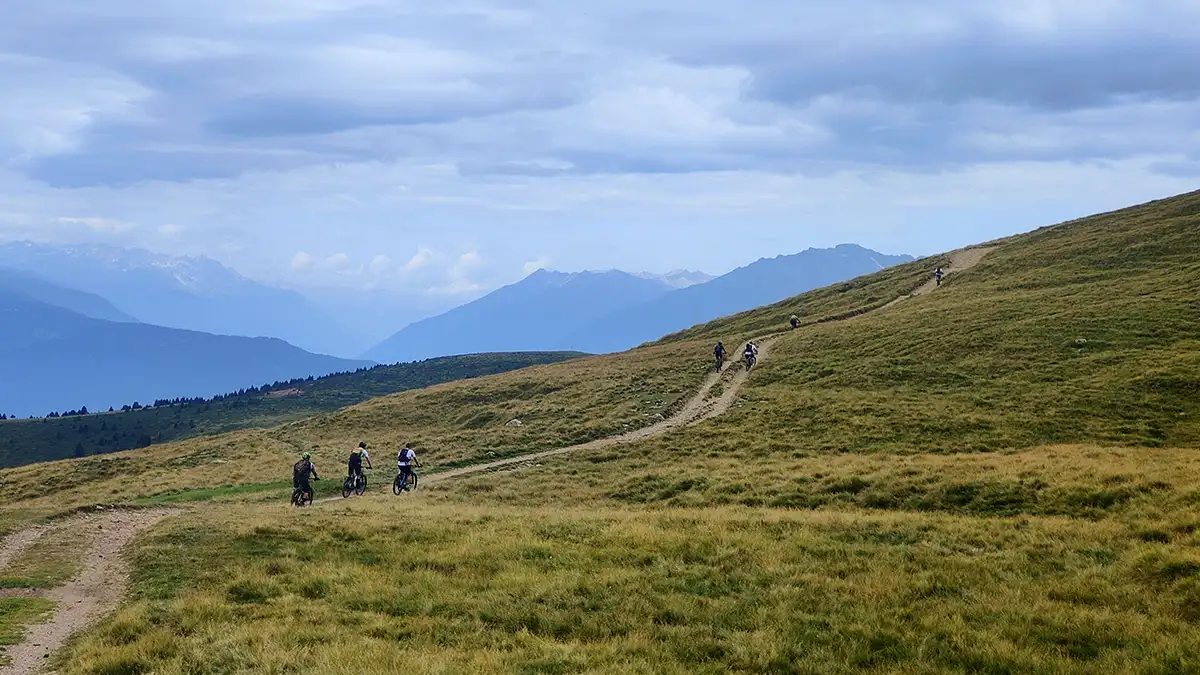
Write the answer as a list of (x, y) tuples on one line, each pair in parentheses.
[(356, 460), (301, 471), (719, 352), (795, 321), (938, 274), (751, 354), (405, 460)]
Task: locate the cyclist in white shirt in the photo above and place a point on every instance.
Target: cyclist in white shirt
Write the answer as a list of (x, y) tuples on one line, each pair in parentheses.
[(406, 459)]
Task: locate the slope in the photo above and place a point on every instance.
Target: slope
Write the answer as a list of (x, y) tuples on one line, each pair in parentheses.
[(535, 313), (32, 287), (47, 439), (761, 283), (54, 358), (993, 475), (1073, 346)]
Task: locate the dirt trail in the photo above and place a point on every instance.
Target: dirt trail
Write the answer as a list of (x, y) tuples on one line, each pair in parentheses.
[(960, 261), (15, 544), (701, 406), (87, 597), (698, 408)]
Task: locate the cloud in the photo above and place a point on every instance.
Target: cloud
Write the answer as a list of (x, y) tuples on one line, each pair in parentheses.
[(380, 264), (171, 230), (597, 133), (538, 263), (100, 225), (468, 260), (460, 279), (422, 258), (51, 106), (338, 262), (302, 261)]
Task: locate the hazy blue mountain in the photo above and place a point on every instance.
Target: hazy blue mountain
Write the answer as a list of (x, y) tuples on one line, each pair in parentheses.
[(371, 316), (679, 278), (34, 287), (184, 292), (54, 359), (761, 283), (541, 310)]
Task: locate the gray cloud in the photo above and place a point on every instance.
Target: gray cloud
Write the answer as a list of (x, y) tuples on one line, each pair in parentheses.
[(269, 85), (285, 125)]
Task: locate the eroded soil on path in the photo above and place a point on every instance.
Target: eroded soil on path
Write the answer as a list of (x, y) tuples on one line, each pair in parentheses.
[(94, 592)]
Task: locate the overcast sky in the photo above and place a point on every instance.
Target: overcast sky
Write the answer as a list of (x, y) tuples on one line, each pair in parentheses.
[(451, 146)]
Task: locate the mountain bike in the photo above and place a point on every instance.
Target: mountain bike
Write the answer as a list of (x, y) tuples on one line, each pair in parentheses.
[(720, 362), (301, 497), (750, 361), (403, 484), (356, 484)]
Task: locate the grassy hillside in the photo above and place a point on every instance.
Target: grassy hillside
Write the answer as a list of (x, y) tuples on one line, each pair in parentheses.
[(47, 439), (1000, 476)]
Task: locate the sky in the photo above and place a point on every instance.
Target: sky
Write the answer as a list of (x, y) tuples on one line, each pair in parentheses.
[(450, 147)]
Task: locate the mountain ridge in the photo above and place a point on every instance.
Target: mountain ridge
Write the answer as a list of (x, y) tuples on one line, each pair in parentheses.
[(624, 315), (63, 359), (531, 314), (185, 292)]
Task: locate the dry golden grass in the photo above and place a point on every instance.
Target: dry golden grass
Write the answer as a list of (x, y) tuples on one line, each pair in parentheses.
[(378, 585), (997, 477)]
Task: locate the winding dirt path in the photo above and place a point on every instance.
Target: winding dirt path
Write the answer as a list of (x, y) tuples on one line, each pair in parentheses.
[(960, 261), (94, 592), (699, 407), (702, 406)]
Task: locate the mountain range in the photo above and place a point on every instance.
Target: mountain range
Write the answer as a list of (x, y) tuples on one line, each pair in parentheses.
[(532, 314), (764, 282), (64, 348), (612, 311), (193, 293), (104, 326)]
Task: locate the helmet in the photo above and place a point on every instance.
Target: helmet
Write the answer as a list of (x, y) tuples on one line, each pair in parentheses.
[(362, 444), (307, 455)]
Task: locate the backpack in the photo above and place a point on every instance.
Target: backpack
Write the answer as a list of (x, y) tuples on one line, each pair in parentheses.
[(301, 468)]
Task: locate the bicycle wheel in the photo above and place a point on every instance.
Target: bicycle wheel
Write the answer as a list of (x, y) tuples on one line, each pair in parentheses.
[(361, 486), (296, 497), (397, 486), (347, 487), (306, 500), (412, 484)]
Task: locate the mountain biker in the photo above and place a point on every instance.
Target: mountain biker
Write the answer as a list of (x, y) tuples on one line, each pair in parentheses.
[(356, 459), (938, 274), (719, 352), (751, 353), (795, 321), (405, 459), (301, 471)]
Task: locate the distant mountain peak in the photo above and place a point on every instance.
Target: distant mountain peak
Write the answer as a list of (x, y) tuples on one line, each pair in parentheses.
[(680, 278)]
